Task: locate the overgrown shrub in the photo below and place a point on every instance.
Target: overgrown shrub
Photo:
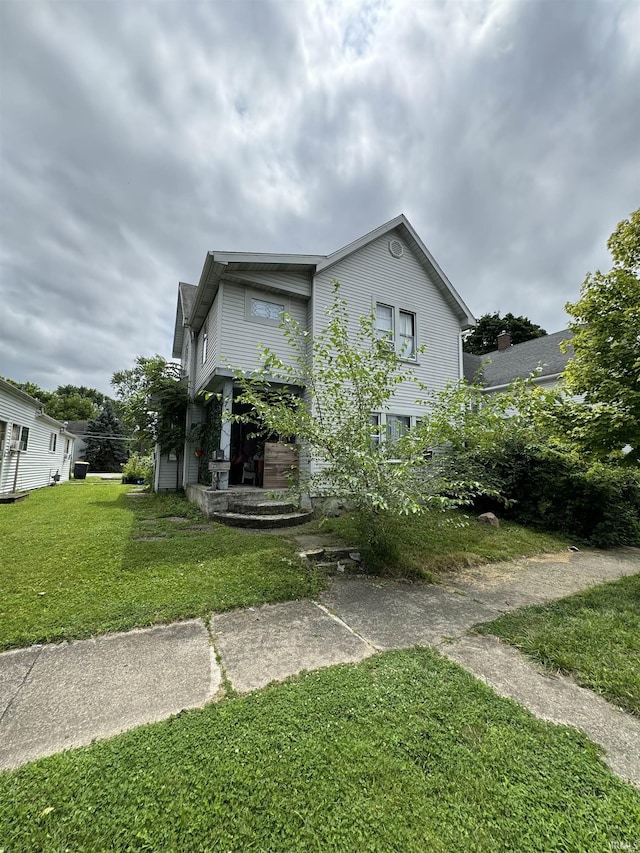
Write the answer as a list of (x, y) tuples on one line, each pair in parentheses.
[(138, 468), (553, 490)]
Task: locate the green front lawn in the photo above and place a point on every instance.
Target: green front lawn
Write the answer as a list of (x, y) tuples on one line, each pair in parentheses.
[(84, 557), (403, 752), (593, 636), (423, 545)]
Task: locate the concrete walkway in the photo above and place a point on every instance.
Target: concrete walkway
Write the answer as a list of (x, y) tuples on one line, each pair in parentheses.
[(60, 696)]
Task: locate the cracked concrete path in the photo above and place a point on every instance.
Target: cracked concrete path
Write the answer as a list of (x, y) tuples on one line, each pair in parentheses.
[(56, 697)]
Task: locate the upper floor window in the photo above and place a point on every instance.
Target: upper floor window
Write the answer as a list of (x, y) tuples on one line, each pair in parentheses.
[(387, 320), (384, 322), (407, 335), (205, 342), (266, 310), (53, 439)]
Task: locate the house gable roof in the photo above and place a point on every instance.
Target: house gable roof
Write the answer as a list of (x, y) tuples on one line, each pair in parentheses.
[(186, 298), (402, 226), (194, 302), (541, 356)]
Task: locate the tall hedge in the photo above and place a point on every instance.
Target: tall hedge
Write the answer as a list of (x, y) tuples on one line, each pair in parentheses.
[(599, 504)]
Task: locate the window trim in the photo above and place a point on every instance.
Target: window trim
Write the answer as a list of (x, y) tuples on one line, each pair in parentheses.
[(53, 441)]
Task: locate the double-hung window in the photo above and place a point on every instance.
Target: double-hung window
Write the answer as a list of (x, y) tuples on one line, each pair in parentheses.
[(397, 426), (407, 335), (53, 438), (384, 323), (388, 319)]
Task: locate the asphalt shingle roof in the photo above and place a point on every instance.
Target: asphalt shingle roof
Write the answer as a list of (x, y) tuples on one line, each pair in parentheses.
[(519, 361), (188, 293)]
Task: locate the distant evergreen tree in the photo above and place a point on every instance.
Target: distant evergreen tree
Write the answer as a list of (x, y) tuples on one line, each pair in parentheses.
[(484, 338), (106, 448)]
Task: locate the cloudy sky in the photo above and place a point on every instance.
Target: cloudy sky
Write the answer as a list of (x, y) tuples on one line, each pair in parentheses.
[(136, 136)]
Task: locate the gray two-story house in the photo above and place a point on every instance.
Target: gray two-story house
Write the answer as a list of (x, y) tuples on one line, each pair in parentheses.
[(239, 301)]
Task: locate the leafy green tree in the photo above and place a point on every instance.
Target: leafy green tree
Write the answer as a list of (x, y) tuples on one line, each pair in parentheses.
[(154, 399), (605, 368), (72, 407), (106, 445), (327, 394), (67, 402), (484, 338)]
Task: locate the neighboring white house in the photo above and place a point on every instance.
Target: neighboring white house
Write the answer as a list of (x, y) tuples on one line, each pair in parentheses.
[(541, 358), (33, 446), (241, 296)]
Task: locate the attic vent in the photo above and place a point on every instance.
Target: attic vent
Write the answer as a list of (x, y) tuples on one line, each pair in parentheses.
[(396, 248)]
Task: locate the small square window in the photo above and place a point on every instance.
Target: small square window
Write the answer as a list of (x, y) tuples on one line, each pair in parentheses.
[(266, 310)]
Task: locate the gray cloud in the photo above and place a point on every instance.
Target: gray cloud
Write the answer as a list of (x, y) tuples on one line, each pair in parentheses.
[(138, 136)]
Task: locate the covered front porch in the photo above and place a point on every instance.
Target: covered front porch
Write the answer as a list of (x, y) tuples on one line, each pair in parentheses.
[(234, 452)]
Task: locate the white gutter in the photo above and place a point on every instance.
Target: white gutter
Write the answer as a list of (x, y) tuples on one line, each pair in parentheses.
[(508, 384)]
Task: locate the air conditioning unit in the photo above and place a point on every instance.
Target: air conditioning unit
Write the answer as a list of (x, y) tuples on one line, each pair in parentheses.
[(15, 445)]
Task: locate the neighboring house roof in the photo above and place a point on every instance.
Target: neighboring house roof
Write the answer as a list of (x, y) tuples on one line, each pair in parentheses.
[(20, 394), (77, 427), (194, 302), (541, 356), (38, 405)]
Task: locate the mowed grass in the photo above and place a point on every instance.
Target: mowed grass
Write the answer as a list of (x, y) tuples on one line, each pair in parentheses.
[(593, 636), (403, 752), (423, 545), (85, 558)]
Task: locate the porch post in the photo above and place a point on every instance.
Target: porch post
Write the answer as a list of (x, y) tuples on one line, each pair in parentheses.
[(225, 432)]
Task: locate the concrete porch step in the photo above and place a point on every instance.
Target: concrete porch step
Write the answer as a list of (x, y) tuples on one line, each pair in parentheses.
[(262, 522), (262, 508)]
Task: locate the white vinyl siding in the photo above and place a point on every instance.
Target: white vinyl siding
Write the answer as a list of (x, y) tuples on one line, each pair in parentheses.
[(207, 351), (371, 276), (166, 470), (36, 462), (239, 338)]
